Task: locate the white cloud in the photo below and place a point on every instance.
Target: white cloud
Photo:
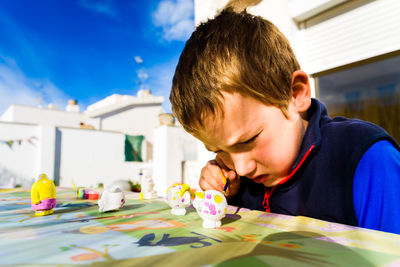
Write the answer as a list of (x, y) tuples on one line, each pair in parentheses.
[(17, 88), (138, 60), (175, 17), (104, 7)]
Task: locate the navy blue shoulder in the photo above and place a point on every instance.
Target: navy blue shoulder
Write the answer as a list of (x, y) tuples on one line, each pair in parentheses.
[(362, 133)]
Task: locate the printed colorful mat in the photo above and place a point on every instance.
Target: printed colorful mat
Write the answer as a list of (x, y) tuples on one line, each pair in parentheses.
[(145, 233)]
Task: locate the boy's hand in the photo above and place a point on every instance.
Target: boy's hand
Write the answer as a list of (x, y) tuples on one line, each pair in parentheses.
[(213, 176)]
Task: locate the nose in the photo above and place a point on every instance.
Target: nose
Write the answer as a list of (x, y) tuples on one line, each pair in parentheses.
[(244, 165)]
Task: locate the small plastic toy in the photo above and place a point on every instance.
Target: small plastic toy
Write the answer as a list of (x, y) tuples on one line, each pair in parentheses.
[(43, 196), (147, 186), (84, 193), (80, 193), (178, 198), (211, 207), (113, 198), (92, 195)]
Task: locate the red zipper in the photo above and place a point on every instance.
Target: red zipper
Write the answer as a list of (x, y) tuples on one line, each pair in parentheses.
[(270, 190)]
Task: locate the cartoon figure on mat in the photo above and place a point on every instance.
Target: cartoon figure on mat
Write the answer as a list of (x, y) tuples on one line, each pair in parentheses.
[(43, 196), (167, 241)]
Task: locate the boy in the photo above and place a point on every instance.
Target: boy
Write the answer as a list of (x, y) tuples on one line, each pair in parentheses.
[(239, 89)]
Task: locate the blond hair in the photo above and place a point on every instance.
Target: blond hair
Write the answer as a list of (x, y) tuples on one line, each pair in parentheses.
[(234, 52)]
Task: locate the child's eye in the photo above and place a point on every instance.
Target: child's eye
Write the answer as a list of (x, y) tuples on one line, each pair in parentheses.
[(250, 140)]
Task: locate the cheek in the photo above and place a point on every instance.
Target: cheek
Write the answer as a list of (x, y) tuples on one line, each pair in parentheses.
[(280, 153), (263, 153), (271, 153)]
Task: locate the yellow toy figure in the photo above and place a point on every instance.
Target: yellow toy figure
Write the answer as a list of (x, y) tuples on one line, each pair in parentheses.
[(43, 194)]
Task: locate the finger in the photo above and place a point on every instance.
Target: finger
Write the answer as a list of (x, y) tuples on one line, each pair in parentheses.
[(216, 171), (224, 170), (226, 173), (206, 185), (231, 175), (212, 176), (215, 181), (220, 165)]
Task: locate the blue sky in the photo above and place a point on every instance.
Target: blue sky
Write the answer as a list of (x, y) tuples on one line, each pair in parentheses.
[(55, 50)]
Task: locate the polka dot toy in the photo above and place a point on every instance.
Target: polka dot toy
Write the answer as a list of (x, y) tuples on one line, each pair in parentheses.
[(211, 206), (178, 198)]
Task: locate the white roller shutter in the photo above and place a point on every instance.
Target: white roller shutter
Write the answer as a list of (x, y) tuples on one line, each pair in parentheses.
[(351, 32)]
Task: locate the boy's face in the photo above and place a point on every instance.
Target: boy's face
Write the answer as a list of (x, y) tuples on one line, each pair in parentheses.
[(255, 140)]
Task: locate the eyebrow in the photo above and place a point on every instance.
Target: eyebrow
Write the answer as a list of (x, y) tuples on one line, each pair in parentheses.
[(239, 140)]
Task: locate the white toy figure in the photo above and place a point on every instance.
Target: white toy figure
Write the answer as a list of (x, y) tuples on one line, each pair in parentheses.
[(113, 198), (178, 198), (147, 185), (211, 207)]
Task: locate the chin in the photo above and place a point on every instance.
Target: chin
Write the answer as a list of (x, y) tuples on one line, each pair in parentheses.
[(269, 184), (262, 179)]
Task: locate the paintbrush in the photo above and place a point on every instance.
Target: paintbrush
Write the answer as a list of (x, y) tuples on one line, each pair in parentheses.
[(226, 183)]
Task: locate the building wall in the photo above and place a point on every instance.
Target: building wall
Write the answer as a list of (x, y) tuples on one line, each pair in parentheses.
[(28, 114), (302, 10), (139, 120), (351, 32), (178, 158), (20, 161), (90, 157), (87, 157)]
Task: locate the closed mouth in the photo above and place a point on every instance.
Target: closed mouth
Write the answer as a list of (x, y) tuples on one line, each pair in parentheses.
[(260, 179)]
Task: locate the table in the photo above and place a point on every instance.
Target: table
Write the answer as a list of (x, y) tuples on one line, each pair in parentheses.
[(145, 233)]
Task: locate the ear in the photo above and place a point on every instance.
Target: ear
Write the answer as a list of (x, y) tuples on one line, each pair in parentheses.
[(301, 91)]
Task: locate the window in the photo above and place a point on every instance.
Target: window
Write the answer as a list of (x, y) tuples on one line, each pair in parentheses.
[(369, 92), (133, 147)]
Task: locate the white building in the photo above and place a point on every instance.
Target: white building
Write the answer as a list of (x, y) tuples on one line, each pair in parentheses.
[(133, 115), (85, 148), (128, 114)]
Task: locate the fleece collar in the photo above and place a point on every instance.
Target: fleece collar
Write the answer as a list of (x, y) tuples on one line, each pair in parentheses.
[(317, 114)]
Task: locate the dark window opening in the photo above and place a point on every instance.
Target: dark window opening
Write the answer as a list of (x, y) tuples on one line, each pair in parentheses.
[(369, 92)]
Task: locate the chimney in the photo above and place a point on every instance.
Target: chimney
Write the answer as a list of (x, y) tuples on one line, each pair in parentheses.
[(72, 106)]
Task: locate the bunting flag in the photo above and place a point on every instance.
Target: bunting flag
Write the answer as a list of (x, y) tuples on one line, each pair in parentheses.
[(12, 142)]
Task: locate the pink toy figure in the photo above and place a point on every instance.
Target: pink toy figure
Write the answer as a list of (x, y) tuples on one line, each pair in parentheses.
[(178, 198), (43, 196), (211, 206)]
